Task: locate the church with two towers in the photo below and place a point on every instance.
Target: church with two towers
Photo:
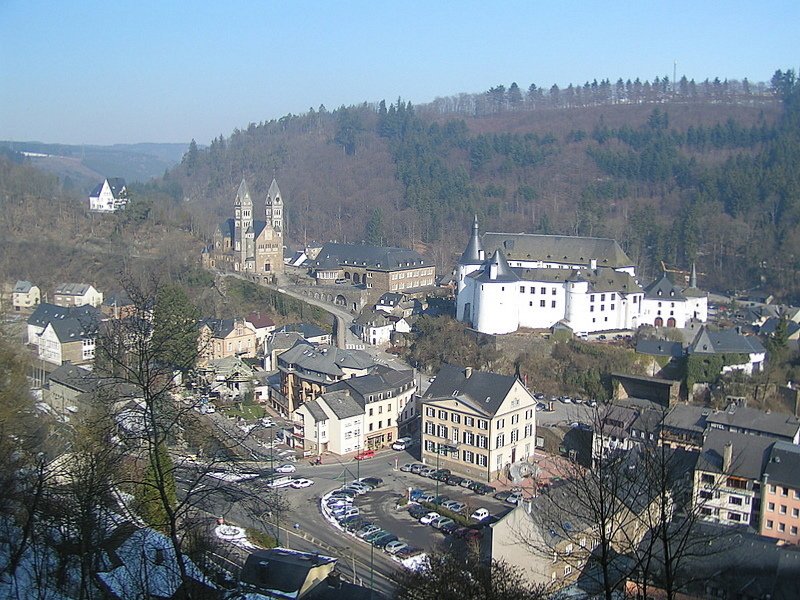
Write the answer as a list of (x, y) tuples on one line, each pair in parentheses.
[(246, 244)]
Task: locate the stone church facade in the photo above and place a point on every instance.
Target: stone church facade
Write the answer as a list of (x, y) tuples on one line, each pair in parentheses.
[(248, 245)]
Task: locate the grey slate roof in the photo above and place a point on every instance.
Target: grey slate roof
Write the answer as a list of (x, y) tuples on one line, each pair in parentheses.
[(22, 287), (117, 184), (391, 299), (482, 391), (471, 255), (381, 379), (77, 378), (307, 330), (503, 273), (783, 465), (660, 348), (663, 288), (749, 456), (557, 249), (327, 360), (372, 318), (316, 411), (72, 329), (46, 312), (751, 419), (687, 418), (771, 324), (342, 404), (381, 258), (242, 194), (72, 289), (725, 341), (281, 571)]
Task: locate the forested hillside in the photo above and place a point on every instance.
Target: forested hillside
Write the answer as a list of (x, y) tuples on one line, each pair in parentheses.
[(705, 172)]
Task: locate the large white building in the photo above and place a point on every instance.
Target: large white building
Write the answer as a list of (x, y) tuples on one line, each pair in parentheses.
[(506, 281)]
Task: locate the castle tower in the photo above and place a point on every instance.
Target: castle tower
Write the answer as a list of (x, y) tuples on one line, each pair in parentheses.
[(472, 258), (273, 208)]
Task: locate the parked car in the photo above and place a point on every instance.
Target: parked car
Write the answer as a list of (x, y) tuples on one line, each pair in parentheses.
[(286, 469), (456, 507), (441, 474), (367, 530), (426, 471), (345, 511), (417, 511), (333, 503), (417, 467), (372, 481), (466, 483), (441, 499), (406, 468), (347, 521), (415, 494), (480, 514), (395, 547), (427, 518), (302, 483), (408, 552), (403, 443), (502, 495), (454, 480), (515, 498), (540, 406), (343, 493), (356, 524), (376, 535), (449, 528), (482, 488), (381, 541), (592, 403), (359, 490), (365, 455), (441, 521), (360, 485), (426, 497)]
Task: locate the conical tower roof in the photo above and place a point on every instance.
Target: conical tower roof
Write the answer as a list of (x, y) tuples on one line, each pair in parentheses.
[(243, 195), (471, 256)]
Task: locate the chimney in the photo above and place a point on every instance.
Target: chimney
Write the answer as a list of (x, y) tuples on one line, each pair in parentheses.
[(468, 372), (727, 457), (592, 263)]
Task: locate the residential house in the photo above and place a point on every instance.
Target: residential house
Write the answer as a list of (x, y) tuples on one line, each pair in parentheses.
[(780, 491), (727, 478), (399, 305), (262, 326), (685, 427), (278, 343), (381, 268), (624, 425), (109, 196), (307, 371), (69, 340), (66, 385), (283, 574), (730, 342), (45, 313), (310, 332), (296, 259), (477, 423), (248, 245), (118, 305), (25, 296), (229, 377), (220, 338), (373, 327), (387, 399), (77, 294), (770, 326), (333, 422)]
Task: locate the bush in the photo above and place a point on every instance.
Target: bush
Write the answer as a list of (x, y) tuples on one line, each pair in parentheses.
[(261, 538)]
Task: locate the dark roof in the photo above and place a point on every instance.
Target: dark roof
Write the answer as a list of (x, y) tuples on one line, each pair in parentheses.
[(22, 287), (372, 318), (45, 313), (483, 391), (117, 185), (472, 253), (117, 299), (258, 320), (383, 258), (751, 419), (660, 348), (281, 571), (687, 418), (663, 288), (342, 404), (724, 341), (496, 269), (391, 299), (242, 194), (327, 360), (220, 328), (557, 249), (783, 465), (381, 379), (72, 329), (771, 324), (316, 410), (307, 330), (77, 378), (749, 456), (72, 289)]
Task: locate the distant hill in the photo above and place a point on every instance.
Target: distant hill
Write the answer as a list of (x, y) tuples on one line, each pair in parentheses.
[(83, 166)]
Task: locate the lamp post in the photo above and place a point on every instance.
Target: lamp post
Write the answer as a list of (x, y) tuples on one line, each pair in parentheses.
[(371, 570)]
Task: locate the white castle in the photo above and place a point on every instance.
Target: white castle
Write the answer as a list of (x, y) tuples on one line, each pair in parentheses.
[(510, 280)]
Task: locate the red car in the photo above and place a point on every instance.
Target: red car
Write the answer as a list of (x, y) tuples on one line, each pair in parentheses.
[(365, 454)]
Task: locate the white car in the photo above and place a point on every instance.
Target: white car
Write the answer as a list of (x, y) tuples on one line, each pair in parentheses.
[(427, 519), (395, 547), (302, 483), (402, 443), (480, 514), (286, 469)]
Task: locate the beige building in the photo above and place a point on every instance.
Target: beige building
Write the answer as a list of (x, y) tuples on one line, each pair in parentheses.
[(477, 424), (221, 338), (248, 245), (77, 294), (25, 296), (332, 422)]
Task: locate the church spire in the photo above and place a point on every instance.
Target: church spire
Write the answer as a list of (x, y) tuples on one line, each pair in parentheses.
[(693, 277), (472, 254)]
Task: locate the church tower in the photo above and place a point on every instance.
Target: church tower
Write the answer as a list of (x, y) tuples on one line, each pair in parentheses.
[(243, 217), (472, 259), (273, 209)]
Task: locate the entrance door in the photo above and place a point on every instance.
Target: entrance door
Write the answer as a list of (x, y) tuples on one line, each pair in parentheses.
[(671, 322), (513, 455), (659, 322)]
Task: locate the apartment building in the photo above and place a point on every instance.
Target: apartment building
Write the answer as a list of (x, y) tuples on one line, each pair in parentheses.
[(780, 490)]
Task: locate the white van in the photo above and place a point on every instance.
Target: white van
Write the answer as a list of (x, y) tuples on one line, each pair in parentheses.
[(280, 482), (403, 443)]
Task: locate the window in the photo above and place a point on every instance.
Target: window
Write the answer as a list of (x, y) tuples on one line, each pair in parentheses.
[(553, 292), (771, 506), (734, 516), (769, 523), (568, 549), (429, 428), (612, 307), (528, 414), (514, 419), (469, 421), (591, 298), (567, 570), (602, 297), (514, 435), (613, 296), (370, 426), (483, 424), (499, 441), (735, 500), (602, 307), (388, 422), (553, 304), (501, 423), (541, 303), (771, 489), (705, 478), (582, 543), (591, 308), (533, 290), (794, 530), (543, 290), (528, 430), (784, 491), (429, 412), (443, 415), (483, 441), (482, 460), (430, 446), (522, 289), (783, 509), (468, 456), (795, 512), (781, 527), (455, 418), (380, 410)]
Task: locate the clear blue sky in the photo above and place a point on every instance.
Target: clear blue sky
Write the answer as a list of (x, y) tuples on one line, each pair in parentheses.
[(165, 71)]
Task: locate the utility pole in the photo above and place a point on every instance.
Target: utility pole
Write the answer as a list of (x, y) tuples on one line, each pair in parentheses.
[(371, 570)]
